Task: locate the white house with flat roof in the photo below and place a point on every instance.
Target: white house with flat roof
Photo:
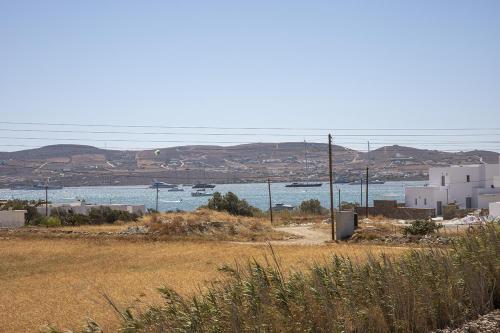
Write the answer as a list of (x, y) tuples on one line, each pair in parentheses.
[(468, 186)]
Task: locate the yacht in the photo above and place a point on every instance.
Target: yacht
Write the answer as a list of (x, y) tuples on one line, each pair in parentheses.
[(306, 184), (157, 184), (36, 187), (176, 189), (295, 184), (203, 185), (201, 193)]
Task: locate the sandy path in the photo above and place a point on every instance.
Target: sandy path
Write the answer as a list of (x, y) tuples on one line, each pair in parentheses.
[(308, 236)]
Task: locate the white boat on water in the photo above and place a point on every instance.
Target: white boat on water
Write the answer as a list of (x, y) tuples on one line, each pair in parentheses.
[(176, 189), (201, 193), (157, 184)]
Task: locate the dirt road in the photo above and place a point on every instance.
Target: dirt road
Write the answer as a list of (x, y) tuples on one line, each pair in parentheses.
[(310, 235)]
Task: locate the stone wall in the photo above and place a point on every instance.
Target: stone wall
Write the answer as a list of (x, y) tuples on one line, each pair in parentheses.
[(390, 209), (452, 211)]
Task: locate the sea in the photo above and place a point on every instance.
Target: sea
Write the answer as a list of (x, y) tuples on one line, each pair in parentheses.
[(255, 193)]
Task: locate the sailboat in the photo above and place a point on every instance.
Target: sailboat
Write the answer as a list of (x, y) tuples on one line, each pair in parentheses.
[(306, 184)]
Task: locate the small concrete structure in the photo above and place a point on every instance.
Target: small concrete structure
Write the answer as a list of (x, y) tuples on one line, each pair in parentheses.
[(12, 218), (495, 209), (81, 207), (344, 224)]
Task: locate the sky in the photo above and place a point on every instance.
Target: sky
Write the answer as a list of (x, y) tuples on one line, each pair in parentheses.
[(327, 65)]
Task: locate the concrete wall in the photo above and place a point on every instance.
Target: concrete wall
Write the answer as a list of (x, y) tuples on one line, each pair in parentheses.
[(344, 224), (12, 218), (495, 209), (484, 199), (402, 213), (85, 209)]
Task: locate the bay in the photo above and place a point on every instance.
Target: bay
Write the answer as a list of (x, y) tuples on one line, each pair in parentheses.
[(255, 193)]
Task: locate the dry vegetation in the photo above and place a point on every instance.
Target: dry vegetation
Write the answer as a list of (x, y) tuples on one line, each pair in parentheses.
[(210, 225), (59, 281), (422, 291)]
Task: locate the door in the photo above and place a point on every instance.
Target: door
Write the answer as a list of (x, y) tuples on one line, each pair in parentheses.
[(439, 208), (468, 202)]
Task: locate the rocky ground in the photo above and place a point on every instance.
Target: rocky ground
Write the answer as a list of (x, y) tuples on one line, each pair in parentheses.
[(489, 323)]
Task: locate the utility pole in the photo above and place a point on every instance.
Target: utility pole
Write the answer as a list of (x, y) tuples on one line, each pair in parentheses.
[(340, 206), (361, 198), (270, 200), (157, 190), (330, 169), (366, 194), (46, 200)]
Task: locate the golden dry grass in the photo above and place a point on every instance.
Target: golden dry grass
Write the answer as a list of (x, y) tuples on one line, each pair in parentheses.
[(209, 224), (59, 281)]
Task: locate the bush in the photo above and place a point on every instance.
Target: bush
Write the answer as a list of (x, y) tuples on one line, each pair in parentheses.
[(232, 204), (421, 228), (50, 221), (100, 215), (312, 206), (69, 218), (107, 215)]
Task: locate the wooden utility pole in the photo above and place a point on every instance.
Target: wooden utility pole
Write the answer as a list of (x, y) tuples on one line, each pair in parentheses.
[(340, 206), (366, 194), (270, 200), (361, 198), (330, 169), (46, 200)]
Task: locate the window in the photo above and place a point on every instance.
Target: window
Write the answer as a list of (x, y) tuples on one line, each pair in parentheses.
[(468, 178), (416, 201), (425, 201), (443, 181)]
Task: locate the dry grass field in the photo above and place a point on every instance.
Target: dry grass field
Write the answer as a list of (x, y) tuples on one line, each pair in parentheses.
[(61, 281)]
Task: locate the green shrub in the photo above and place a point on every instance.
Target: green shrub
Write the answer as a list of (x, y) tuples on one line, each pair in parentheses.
[(421, 228), (100, 215), (50, 221), (312, 206), (232, 204), (69, 218)]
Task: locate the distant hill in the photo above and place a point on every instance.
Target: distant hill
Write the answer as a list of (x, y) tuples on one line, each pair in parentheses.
[(75, 165)]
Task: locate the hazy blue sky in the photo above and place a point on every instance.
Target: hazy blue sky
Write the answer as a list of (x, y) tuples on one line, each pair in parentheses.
[(334, 64)]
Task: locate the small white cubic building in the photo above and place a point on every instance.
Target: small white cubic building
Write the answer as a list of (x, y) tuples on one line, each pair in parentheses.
[(12, 218), (495, 209), (468, 186)]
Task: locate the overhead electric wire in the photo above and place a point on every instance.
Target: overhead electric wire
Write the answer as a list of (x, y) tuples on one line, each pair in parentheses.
[(250, 128)]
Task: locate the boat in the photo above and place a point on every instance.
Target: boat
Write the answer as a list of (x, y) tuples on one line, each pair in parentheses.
[(279, 207), (157, 184), (176, 189), (375, 182), (201, 193), (36, 187), (203, 186), (304, 184)]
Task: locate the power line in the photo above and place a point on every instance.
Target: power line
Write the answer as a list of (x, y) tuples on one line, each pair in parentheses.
[(250, 128)]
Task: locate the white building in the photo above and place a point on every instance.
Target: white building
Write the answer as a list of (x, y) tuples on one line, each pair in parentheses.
[(81, 207), (12, 218), (468, 186)]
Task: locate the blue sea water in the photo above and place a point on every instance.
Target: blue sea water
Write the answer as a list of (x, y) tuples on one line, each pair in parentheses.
[(255, 193)]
